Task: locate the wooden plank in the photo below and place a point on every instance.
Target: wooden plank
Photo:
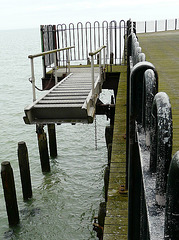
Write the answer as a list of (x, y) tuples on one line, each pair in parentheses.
[(116, 220)]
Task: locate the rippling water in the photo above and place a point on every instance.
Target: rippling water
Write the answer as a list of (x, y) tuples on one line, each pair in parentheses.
[(66, 199)]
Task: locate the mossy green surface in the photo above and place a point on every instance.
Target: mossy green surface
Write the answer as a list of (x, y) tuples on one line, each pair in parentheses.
[(116, 220)]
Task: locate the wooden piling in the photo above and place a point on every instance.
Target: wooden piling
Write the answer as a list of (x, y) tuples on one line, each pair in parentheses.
[(112, 112), (106, 182), (24, 170), (43, 148), (52, 140), (108, 135), (9, 193), (109, 153)]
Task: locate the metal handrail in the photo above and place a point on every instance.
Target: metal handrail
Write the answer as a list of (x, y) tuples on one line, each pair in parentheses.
[(55, 65), (96, 51), (49, 52), (92, 54)]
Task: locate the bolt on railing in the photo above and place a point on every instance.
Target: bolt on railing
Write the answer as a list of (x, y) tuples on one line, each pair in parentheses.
[(92, 54), (55, 65)]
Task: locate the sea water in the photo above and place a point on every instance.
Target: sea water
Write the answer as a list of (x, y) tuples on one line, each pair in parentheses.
[(65, 200)]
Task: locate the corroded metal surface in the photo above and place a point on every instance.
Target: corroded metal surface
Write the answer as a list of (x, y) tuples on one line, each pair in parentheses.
[(161, 49)]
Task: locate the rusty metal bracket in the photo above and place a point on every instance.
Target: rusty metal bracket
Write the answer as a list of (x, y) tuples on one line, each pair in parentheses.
[(122, 189)]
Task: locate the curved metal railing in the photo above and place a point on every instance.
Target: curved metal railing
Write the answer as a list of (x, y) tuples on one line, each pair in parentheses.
[(152, 173), (86, 37)]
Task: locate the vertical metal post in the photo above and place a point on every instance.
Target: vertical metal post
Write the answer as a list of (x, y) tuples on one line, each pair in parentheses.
[(155, 25), (100, 66), (161, 112), (68, 60), (145, 26), (176, 24), (166, 25), (55, 63), (92, 75), (104, 57), (42, 45), (33, 79)]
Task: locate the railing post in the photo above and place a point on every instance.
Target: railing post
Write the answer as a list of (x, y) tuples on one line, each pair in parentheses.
[(68, 60), (166, 25), (149, 90), (104, 58), (92, 74), (100, 66), (55, 67), (155, 25), (33, 79), (161, 143), (176, 24)]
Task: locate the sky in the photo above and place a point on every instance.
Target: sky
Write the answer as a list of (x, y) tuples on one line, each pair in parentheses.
[(20, 14)]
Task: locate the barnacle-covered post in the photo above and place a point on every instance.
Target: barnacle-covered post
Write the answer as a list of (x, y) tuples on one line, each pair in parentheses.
[(161, 143)]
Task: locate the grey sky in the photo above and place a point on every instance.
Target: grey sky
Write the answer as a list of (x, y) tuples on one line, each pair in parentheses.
[(31, 13)]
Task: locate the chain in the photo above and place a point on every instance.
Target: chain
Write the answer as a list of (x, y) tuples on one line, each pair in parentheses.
[(95, 130)]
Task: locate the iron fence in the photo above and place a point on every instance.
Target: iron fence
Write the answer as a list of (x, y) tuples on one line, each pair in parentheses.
[(86, 38), (152, 173), (157, 25)]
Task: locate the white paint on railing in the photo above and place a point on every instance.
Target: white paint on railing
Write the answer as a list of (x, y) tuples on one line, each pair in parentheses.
[(55, 65), (92, 54)]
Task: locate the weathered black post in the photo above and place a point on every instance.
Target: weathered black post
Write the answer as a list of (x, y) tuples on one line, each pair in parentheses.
[(24, 170), (134, 173), (111, 58), (112, 111), (52, 140), (145, 26), (172, 204), (106, 182), (108, 135), (9, 193), (149, 91), (43, 148), (162, 130), (109, 153), (97, 58)]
